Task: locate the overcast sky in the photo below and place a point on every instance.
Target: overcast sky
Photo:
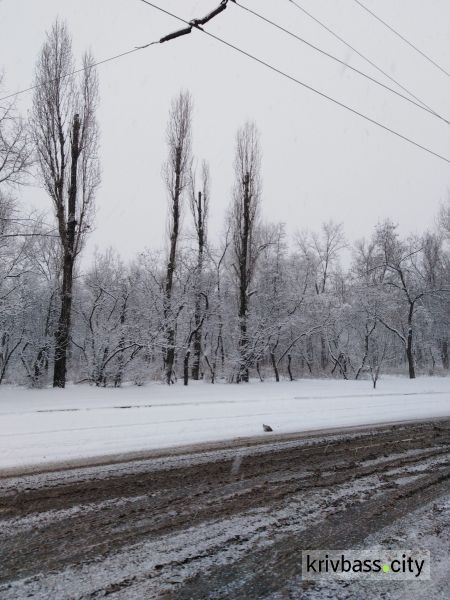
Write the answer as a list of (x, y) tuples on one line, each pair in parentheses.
[(319, 161)]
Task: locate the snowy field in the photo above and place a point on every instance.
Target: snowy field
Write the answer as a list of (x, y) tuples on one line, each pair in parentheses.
[(50, 426)]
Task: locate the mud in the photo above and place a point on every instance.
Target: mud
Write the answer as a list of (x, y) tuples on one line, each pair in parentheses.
[(331, 491)]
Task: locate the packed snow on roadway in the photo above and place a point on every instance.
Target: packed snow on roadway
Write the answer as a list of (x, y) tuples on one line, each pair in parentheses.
[(80, 422)]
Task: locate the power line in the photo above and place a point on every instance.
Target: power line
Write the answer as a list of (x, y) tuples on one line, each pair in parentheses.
[(72, 73), (301, 83), (171, 36), (360, 54), (394, 31), (338, 60)]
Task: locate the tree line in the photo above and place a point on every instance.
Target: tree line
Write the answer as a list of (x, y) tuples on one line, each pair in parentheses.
[(252, 304)]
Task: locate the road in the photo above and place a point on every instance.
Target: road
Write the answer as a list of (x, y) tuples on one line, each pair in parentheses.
[(226, 522)]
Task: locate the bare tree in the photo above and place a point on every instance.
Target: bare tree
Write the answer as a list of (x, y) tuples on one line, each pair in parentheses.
[(245, 214), (410, 276), (14, 265), (213, 348), (15, 161), (66, 138), (199, 205), (322, 251), (15, 147), (176, 173), (444, 218)]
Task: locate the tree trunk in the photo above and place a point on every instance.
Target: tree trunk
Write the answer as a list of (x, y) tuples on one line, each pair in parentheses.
[(169, 359), (323, 353), (243, 284), (197, 311), (366, 352), (62, 333), (409, 345), (186, 368), (258, 370), (410, 358), (275, 368), (121, 363), (444, 353), (310, 350), (197, 347), (291, 378)]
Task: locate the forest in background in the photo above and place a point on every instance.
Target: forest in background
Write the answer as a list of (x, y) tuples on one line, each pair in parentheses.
[(251, 304)]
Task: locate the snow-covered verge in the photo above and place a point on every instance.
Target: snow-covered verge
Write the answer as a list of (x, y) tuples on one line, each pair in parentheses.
[(48, 426)]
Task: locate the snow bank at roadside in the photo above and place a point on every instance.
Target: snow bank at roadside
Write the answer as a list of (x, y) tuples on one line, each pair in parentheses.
[(46, 426)]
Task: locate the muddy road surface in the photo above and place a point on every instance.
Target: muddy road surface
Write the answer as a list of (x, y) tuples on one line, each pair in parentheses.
[(228, 522)]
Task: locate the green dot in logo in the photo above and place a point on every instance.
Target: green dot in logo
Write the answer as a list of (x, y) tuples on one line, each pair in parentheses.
[(386, 568)]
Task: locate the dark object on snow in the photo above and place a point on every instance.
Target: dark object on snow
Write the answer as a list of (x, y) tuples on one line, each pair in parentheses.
[(267, 427)]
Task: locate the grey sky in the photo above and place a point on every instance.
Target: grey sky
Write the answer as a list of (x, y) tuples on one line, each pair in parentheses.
[(319, 161)]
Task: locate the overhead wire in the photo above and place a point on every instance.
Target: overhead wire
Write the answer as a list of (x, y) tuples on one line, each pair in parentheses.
[(299, 7), (165, 38), (297, 81), (76, 71), (197, 24), (402, 37), (338, 60)]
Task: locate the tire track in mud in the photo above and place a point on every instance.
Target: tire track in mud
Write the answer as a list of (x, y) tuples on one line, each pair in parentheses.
[(264, 572), (84, 521)]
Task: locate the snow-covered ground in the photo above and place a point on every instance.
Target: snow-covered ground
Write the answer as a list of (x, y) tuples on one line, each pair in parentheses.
[(47, 426)]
